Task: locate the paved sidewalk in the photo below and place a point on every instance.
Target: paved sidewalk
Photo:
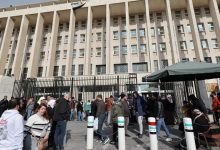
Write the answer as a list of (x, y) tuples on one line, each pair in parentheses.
[(76, 139)]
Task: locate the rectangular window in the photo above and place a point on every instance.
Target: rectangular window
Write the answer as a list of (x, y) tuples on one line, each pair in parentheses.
[(152, 32), (133, 33), (81, 53), (156, 67), (30, 42), (180, 28), (141, 18), (75, 38), (55, 71), (98, 51), (99, 36), (11, 42), (115, 35), (116, 50), (143, 48), (183, 45), (66, 39), (211, 26), (64, 54), (154, 47), (188, 28), (104, 36), (80, 69), (178, 14), (162, 46), (160, 30), (60, 27), (100, 69), (201, 27), (142, 32), (67, 26), (124, 34), (74, 53), (46, 28), (91, 52), (59, 40), (191, 44), (99, 22), (120, 68), (115, 21), (132, 19), (208, 59), (218, 60), (82, 38), (134, 48), (204, 43), (76, 25), (159, 16), (186, 13), (83, 24), (92, 37), (123, 20), (124, 49), (25, 71), (63, 70), (73, 70), (44, 43), (207, 11), (197, 11), (140, 67), (151, 17), (185, 59), (27, 56), (42, 55), (40, 72), (164, 63), (57, 54), (32, 29), (214, 43)]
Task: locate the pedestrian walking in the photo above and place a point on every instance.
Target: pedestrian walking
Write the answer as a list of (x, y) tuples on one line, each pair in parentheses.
[(72, 108), (79, 108)]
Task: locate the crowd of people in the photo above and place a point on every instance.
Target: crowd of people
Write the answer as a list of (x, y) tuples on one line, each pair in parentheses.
[(46, 119)]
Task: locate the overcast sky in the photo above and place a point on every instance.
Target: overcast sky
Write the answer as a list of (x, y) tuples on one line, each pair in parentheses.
[(7, 3)]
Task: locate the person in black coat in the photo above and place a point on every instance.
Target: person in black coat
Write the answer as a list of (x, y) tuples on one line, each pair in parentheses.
[(197, 104), (3, 105)]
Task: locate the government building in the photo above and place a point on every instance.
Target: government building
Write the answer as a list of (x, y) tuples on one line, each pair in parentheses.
[(106, 37)]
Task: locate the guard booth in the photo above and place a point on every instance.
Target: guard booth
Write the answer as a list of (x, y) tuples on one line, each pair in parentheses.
[(80, 87)]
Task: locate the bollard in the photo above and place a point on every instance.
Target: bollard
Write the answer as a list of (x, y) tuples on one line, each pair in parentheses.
[(121, 133), (153, 133), (190, 140), (90, 132)]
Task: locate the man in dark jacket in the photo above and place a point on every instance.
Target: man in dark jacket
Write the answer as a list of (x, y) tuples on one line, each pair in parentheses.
[(3, 105), (61, 116), (197, 104)]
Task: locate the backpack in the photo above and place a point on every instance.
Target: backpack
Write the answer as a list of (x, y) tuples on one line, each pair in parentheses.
[(3, 129)]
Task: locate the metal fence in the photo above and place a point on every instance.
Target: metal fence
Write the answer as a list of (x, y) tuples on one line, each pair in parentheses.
[(81, 87)]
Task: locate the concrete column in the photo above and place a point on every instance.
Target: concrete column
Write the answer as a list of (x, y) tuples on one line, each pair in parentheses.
[(213, 6), (87, 65), (109, 56), (174, 51), (5, 43), (53, 44), (35, 50), (195, 32), (20, 49), (128, 38), (148, 36), (70, 43)]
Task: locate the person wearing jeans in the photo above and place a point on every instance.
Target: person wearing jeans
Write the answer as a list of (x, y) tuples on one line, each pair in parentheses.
[(61, 115)]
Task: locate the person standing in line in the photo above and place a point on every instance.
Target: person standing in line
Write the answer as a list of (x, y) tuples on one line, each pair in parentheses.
[(72, 107), (51, 101), (125, 111), (216, 105), (169, 110), (29, 108), (61, 116), (3, 105), (139, 106), (159, 115), (109, 103), (11, 137), (79, 108), (100, 114), (87, 109)]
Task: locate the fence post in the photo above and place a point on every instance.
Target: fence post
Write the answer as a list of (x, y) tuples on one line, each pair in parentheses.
[(71, 87), (190, 140), (94, 87), (121, 133), (90, 132), (153, 133)]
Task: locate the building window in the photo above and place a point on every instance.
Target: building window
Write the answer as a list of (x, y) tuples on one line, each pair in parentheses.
[(83, 24), (123, 20), (207, 11), (185, 59), (91, 52), (186, 13), (77, 25), (160, 30), (59, 40), (208, 59), (73, 70), (67, 26), (57, 54), (104, 36), (152, 32), (156, 67), (64, 54), (183, 45), (204, 43), (116, 50), (40, 72), (141, 18), (46, 28), (143, 48), (100, 69), (164, 63), (99, 22), (42, 55), (27, 56), (30, 42), (178, 14), (115, 21), (140, 67), (55, 71), (63, 70), (124, 49), (44, 43), (74, 53), (81, 53), (82, 38), (214, 43), (132, 19), (98, 51), (197, 11), (61, 27), (151, 17), (115, 35), (133, 33), (134, 48), (121, 68), (142, 32), (124, 34), (11, 42), (180, 28), (201, 27), (211, 26), (162, 46), (75, 38), (80, 69), (191, 44), (154, 47), (159, 16), (32, 29), (218, 59), (66, 39), (99, 36), (188, 28), (25, 71)]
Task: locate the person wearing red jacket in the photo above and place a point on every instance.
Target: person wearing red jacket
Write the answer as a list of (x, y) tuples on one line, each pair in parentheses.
[(216, 105)]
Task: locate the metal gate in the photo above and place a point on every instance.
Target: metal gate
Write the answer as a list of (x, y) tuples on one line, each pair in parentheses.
[(80, 87)]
